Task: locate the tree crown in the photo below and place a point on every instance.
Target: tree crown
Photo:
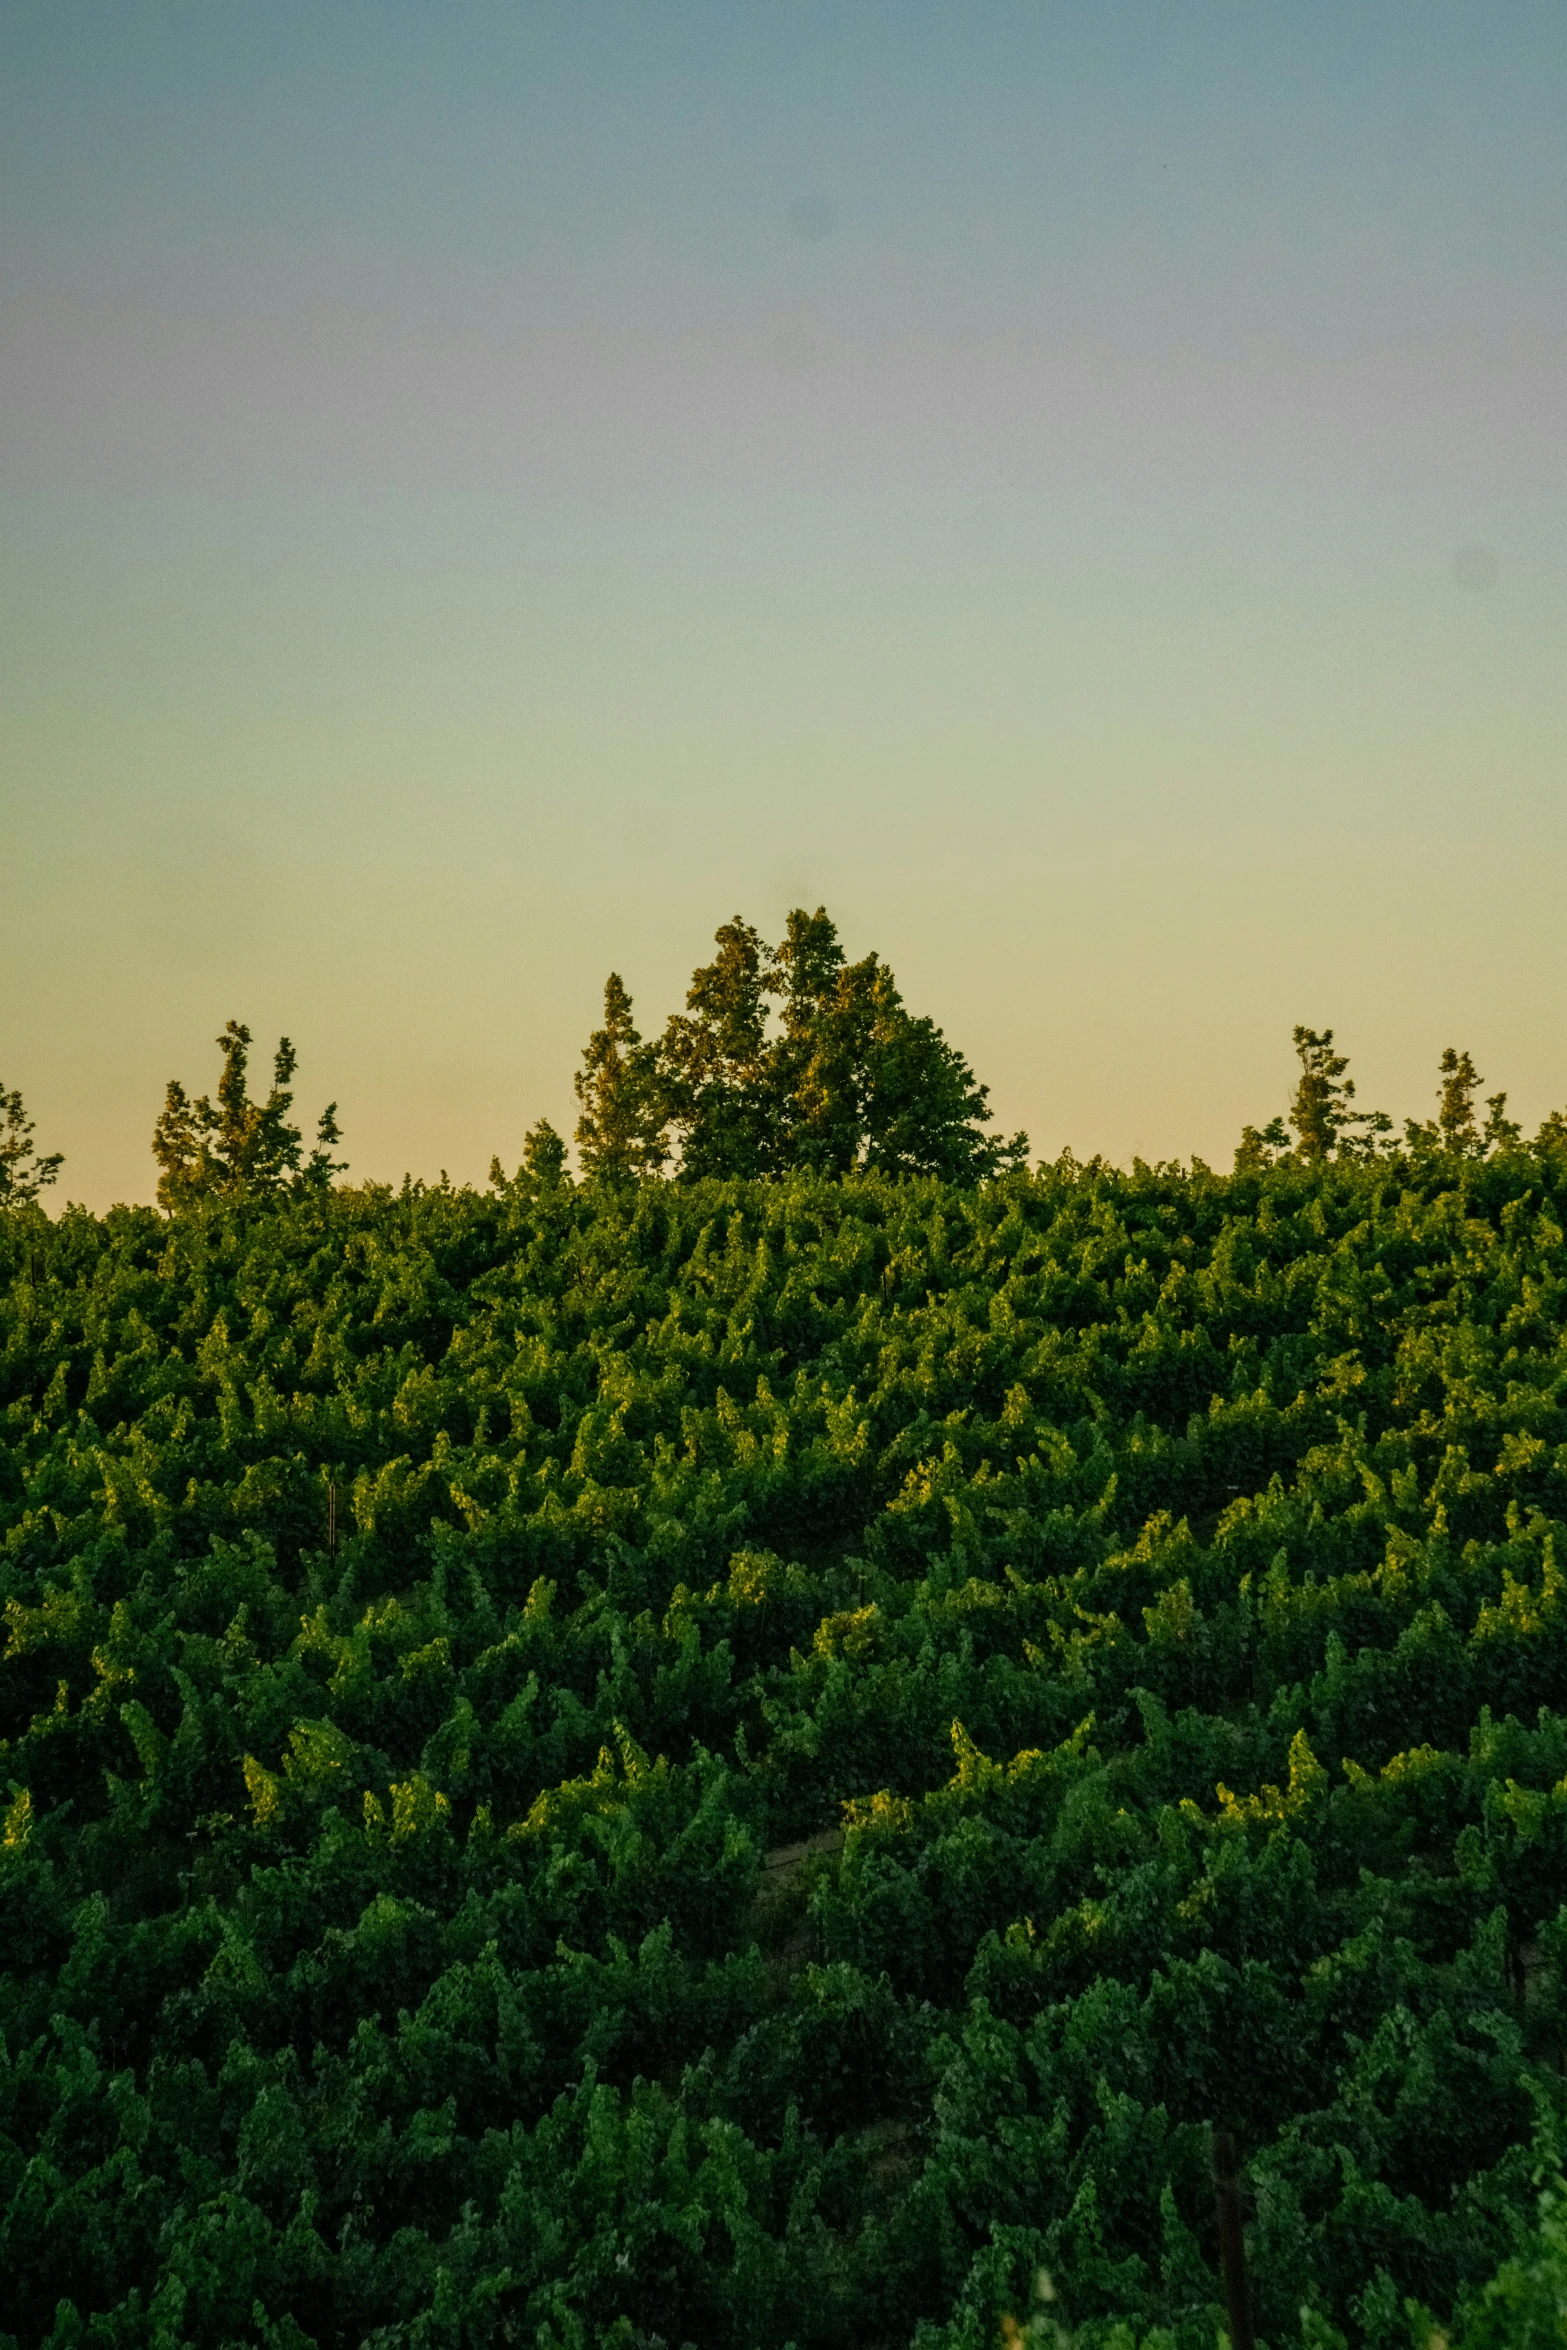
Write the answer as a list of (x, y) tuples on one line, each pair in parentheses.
[(236, 1148), (842, 1076), (23, 1173)]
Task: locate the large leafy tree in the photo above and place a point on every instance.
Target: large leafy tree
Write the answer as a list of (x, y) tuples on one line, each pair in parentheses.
[(23, 1173), (866, 1082), (235, 1148), (922, 1105), (847, 1077)]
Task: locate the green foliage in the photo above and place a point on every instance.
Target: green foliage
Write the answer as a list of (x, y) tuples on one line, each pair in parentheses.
[(1327, 1128), (1455, 1127), (543, 1168), (1524, 2306), (716, 1071), (23, 1173), (846, 1720), (1320, 1112), (621, 1130), (849, 1079), (234, 1148)]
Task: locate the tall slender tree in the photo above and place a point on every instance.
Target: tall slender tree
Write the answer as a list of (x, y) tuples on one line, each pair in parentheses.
[(1325, 1125), (621, 1132), (1320, 1110), (1455, 1117), (714, 1063), (23, 1174), (827, 1014), (1456, 1128)]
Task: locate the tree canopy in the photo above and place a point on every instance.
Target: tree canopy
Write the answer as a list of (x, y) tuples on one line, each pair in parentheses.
[(785, 1057), (236, 1148), (23, 1173)]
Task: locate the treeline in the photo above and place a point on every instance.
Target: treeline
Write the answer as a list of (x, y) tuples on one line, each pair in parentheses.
[(1323, 1123), (786, 1059)]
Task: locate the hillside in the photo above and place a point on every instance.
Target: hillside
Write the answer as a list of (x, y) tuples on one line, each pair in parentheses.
[(751, 1762)]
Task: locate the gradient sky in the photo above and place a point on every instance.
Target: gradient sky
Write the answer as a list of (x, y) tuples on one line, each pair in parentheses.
[(487, 492)]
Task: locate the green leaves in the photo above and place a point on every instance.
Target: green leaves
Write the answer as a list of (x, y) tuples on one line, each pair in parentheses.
[(831, 1723), (620, 1133), (234, 1148), (23, 1173), (848, 1079)]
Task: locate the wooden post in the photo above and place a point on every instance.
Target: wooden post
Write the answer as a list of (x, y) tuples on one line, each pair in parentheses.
[(1232, 2241)]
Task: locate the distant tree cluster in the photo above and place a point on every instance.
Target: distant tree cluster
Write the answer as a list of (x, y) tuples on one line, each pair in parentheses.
[(1325, 1126), (787, 1059), (845, 1077)]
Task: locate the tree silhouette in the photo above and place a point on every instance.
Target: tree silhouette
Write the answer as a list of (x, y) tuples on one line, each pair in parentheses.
[(23, 1174), (791, 1056)]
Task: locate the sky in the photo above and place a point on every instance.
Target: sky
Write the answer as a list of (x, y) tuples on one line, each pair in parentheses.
[(487, 492)]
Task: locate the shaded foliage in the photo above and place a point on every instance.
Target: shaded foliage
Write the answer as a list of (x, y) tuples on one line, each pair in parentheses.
[(24, 1172), (234, 1148), (738, 1762), (848, 1079)]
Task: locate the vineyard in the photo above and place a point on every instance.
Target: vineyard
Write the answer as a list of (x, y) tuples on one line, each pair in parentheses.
[(759, 1762)]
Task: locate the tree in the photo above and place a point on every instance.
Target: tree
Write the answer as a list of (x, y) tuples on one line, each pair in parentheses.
[(1261, 1146), (544, 1155), (23, 1174), (1455, 1128), (1325, 1125), (543, 1161), (1455, 1116), (827, 1015), (1319, 1112), (235, 1148), (883, 1089), (924, 1107), (621, 1131), (714, 1063), (848, 1078)]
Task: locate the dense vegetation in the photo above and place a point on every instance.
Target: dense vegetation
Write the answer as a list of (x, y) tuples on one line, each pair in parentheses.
[(745, 1762), (759, 1754), (843, 1077)]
